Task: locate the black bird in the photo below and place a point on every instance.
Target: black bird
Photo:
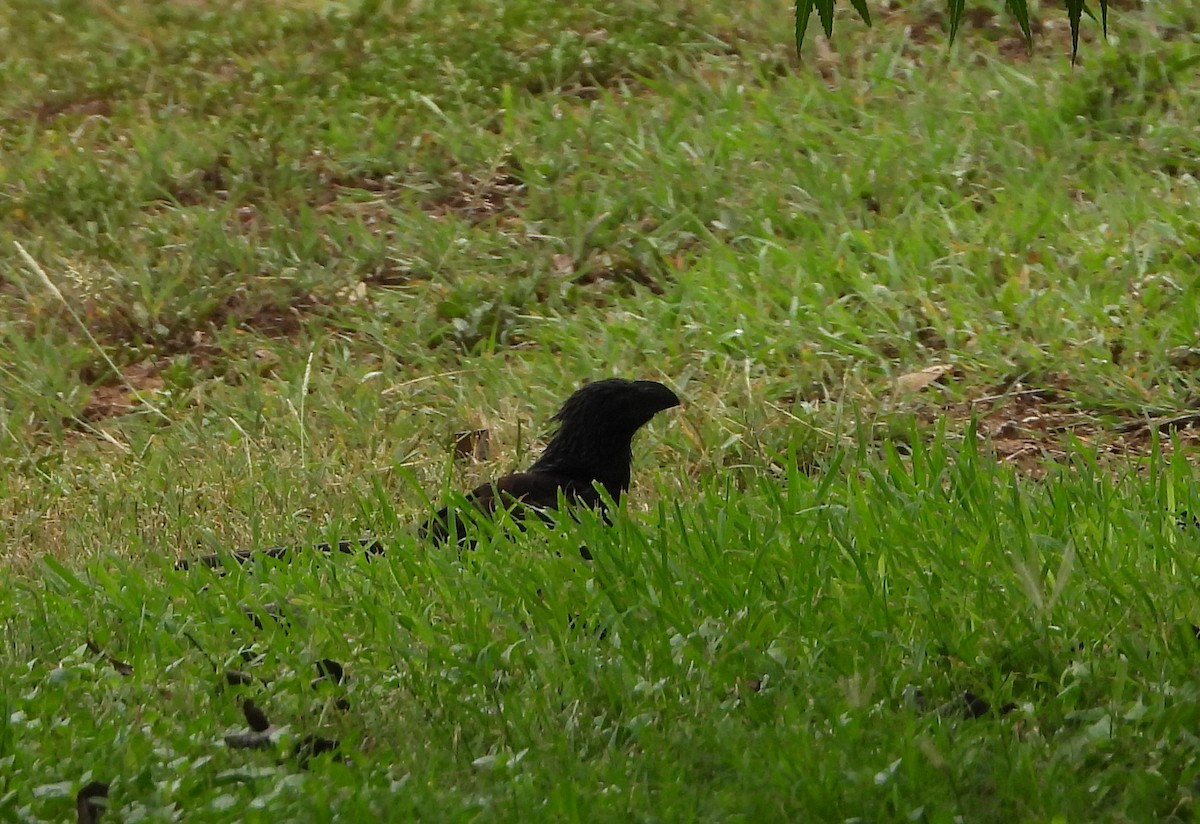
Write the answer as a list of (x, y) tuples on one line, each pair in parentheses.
[(593, 447)]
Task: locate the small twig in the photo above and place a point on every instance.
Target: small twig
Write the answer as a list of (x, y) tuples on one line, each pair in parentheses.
[(1003, 395), (1019, 453), (800, 421), (1070, 426), (208, 657), (1169, 422), (303, 396), (404, 384), (245, 444), (108, 437)]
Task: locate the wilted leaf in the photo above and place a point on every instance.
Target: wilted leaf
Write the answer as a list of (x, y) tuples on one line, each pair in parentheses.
[(916, 381), (564, 265)]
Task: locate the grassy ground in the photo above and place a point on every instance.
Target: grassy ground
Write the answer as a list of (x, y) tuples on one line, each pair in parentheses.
[(912, 550)]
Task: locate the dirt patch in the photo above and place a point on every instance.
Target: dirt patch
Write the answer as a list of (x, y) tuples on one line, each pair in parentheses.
[(927, 28), (1035, 423), (616, 271), (373, 198), (1014, 48), (932, 27), (202, 185), (479, 197), (1139, 433), (87, 106), (272, 320), (376, 184), (334, 184), (273, 316), (589, 87), (120, 397), (1031, 427), (1051, 34)]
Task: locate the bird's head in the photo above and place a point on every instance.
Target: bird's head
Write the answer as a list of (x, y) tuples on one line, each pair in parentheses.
[(596, 429), (616, 405)]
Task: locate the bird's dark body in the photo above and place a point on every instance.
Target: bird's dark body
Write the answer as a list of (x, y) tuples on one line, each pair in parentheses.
[(590, 451)]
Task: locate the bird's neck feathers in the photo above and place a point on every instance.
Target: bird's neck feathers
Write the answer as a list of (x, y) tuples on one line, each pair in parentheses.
[(589, 454)]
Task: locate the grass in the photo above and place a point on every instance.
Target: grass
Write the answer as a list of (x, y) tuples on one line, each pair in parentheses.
[(309, 243)]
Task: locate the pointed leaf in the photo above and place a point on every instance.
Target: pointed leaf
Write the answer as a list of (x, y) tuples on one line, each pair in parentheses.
[(1074, 11), (825, 10), (1020, 10), (860, 6), (65, 576), (956, 13), (803, 12), (1104, 17)]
